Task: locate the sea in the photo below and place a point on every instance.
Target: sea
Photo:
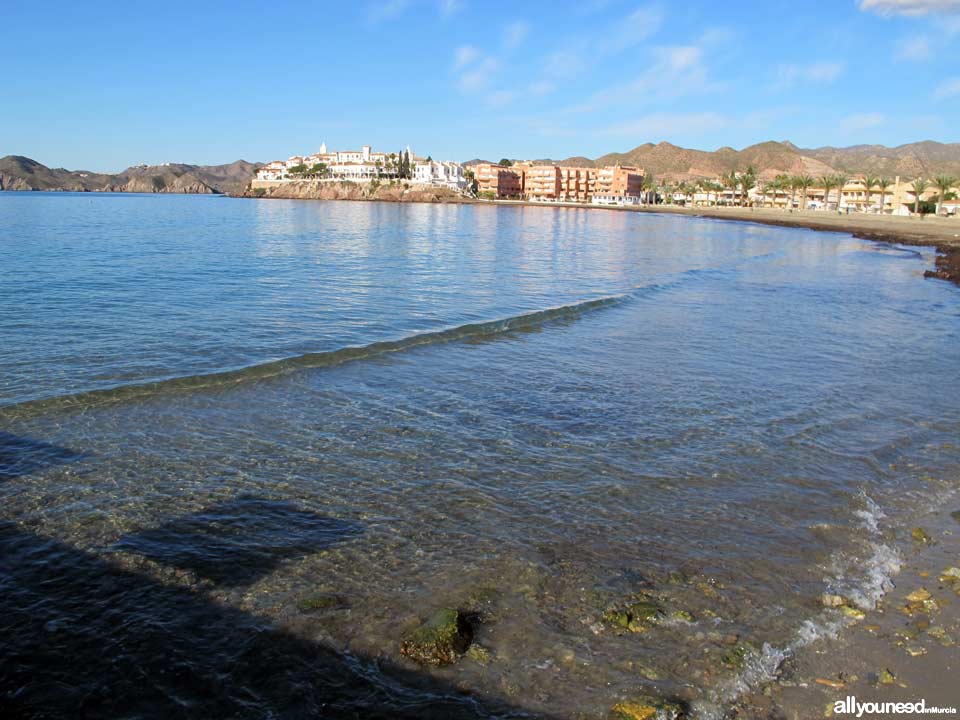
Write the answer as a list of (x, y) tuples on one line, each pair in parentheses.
[(248, 446)]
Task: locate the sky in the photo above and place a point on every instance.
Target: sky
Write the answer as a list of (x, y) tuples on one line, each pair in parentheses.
[(104, 85)]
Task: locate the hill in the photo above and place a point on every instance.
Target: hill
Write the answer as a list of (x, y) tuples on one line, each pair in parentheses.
[(671, 162), (22, 173)]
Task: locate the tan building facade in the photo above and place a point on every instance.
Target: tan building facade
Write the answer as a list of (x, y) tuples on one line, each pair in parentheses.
[(498, 182), (560, 183)]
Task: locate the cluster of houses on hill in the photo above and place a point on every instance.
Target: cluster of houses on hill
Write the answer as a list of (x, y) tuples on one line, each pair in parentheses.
[(611, 185), (614, 185), (362, 166)]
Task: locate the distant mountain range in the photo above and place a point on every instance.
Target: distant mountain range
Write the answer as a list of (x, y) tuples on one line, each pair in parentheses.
[(670, 162), (21, 173), (664, 160)]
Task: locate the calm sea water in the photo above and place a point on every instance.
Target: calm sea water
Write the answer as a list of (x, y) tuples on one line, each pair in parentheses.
[(213, 409)]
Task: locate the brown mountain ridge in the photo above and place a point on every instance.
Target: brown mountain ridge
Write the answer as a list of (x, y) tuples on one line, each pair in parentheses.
[(671, 162), (22, 173)]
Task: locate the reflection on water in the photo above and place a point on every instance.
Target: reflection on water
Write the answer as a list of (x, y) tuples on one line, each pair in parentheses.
[(747, 426)]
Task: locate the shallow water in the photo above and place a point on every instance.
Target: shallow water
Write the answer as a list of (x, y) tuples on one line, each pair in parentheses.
[(725, 419)]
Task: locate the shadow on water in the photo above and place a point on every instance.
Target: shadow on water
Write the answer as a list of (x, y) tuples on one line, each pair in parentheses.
[(82, 638), (22, 455), (237, 542)]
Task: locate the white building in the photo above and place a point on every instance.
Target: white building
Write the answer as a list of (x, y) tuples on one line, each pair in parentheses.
[(363, 165), (434, 172)]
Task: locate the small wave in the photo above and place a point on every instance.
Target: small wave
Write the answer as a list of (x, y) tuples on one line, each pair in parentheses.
[(275, 368), (864, 583)]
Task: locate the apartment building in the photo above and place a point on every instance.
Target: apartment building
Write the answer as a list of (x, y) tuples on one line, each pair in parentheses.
[(618, 185), (614, 185), (434, 172), (499, 182)]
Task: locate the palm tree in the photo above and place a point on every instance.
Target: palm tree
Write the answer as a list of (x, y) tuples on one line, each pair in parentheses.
[(919, 187), (883, 183), (730, 182), (748, 181), (828, 182), (804, 182), (650, 187), (943, 184), (784, 183), (841, 180), (869, 182), (767, 186)]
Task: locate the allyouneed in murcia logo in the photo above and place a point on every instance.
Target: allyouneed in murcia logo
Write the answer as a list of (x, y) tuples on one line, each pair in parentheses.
[(850, 706)]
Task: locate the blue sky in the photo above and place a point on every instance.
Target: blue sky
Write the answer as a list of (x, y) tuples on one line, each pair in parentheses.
[(103, 85)]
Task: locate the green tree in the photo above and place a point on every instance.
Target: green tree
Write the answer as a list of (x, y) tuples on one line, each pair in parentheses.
[(919, 188), (883, 183), (804, 182), (869, 182), (297, 169), (828, 182), (505, 162), (841, 180), (730, 182), (748, 181), (943, 183), (318, 169), (768, 187)]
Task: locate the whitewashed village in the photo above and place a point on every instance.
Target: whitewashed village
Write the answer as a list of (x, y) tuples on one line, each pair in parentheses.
[(615, 185)]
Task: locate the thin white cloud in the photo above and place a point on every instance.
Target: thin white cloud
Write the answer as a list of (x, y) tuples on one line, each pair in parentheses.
[(636, 27), (949, 88), (514, 34), (819, 72), (478, 77), (862, 121), (656, 126), (914, 48), (463, 56), (910, 7), (673, 72), (379, 12), (449, 8)]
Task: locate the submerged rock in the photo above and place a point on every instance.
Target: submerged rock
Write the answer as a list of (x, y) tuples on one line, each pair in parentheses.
[(441, 640), (920, 535), (321, 601), (479, 654), (735, 658), (645, 707), (828, 600), (635, 616)]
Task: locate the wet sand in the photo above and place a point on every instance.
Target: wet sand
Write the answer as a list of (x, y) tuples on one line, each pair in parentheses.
[(906, 650)]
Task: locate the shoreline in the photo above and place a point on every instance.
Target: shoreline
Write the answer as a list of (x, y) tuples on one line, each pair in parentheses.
[(903, 650), (940, 233)]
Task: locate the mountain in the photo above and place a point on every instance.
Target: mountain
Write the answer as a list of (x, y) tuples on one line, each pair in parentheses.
[(926, 158), (22, 173), (671, 162)]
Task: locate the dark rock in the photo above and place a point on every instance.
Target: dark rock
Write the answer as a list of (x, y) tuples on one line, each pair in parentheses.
[(441, 640)]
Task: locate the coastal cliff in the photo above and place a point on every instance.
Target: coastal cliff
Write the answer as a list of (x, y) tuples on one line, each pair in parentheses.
[(22, 173), (389, 192)]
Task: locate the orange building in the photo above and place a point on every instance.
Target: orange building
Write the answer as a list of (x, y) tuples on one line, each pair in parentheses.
[(497, 181), (619, 181), (560, 183)]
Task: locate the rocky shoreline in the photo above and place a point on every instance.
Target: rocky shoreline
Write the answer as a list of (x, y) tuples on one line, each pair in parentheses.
[(385, 192)]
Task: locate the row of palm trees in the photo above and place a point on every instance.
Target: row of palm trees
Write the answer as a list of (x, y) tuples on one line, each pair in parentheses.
[(741, 183)]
